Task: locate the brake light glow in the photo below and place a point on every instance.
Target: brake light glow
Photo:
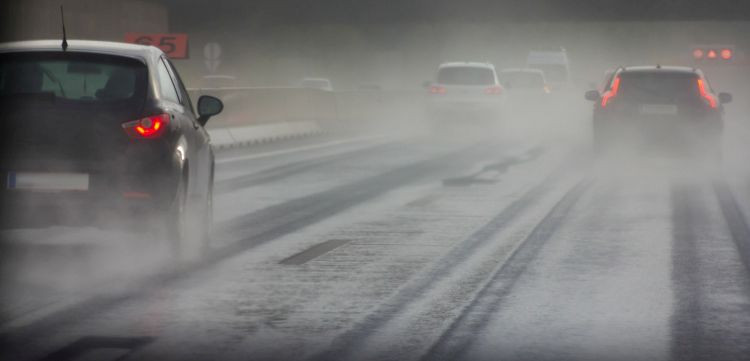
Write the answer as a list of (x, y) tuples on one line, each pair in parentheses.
[(726, 54), (612, 92), (436, 89), (494, 90), (148, 127), (704, 93)]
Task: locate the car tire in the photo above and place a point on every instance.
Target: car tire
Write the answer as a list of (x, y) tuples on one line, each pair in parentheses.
[(186, 227), (175, 222), (207, 220), (597, 143), (600, 139)]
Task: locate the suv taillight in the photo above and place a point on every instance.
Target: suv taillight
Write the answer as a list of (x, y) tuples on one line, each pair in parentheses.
[(494, 90), (148, 127), (611, 93), (705, 95)]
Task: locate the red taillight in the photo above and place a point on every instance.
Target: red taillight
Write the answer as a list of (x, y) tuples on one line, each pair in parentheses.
[(148, 127), (437, 89), (704, 93), (494, 90), (612, 92)]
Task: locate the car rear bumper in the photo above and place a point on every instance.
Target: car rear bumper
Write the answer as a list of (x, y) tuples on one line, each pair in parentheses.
[(23, 209), (465, 109), (92, 198), (660, 133)]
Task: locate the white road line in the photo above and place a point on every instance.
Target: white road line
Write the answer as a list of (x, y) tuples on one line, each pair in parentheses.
[(296, 150)]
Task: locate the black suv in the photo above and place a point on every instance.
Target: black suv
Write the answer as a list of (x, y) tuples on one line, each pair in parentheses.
[(659, 105), (103, 132)]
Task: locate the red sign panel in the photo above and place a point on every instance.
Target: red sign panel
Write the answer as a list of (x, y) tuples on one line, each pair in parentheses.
[(174, 45)]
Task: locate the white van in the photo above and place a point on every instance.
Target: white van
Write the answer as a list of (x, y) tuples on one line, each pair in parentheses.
[(555, 65)]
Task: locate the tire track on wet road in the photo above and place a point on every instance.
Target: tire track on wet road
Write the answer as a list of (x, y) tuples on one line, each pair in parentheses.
[(711, 319), (291, 169), (453, 342), (258, 228), (736, 220), (348, 345), (267, 224)]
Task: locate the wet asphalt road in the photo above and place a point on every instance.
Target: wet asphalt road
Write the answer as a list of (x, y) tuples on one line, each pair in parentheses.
[(407, 248)]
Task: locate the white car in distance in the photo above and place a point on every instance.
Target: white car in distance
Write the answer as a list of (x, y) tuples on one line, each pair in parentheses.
[(554, 63), (465, 91)]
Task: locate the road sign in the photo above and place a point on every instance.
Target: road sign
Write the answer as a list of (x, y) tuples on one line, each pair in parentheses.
[(174, 45), (212, 56)]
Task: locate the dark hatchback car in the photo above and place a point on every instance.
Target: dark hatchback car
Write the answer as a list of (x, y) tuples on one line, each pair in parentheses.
[(667, 107), (103, 133)]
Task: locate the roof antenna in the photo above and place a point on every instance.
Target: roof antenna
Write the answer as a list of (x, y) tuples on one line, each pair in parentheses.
[(65, 37)]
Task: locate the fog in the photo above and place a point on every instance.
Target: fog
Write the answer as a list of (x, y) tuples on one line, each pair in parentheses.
[(336, 176)]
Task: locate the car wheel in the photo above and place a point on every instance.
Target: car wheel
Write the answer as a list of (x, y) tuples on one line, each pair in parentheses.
[(185, 230), (175, 220), (207, 220), (599, 140)]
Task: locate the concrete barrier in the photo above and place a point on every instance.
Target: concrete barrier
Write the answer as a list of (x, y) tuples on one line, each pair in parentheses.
[(248, 106), (367, 108), (255, 115), (230, 137), (254, 105)]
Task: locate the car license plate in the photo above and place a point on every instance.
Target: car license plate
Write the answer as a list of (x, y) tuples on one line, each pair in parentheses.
[(48, 181), (658, 109)]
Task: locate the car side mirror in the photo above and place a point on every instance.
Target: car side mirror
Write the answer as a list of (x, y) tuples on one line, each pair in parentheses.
[(593, 95), (725, 98), (208, 106)]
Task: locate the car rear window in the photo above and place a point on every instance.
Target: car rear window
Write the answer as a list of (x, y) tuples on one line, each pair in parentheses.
[(79, 77), (466, 76), (521, 79), (658, 87)]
